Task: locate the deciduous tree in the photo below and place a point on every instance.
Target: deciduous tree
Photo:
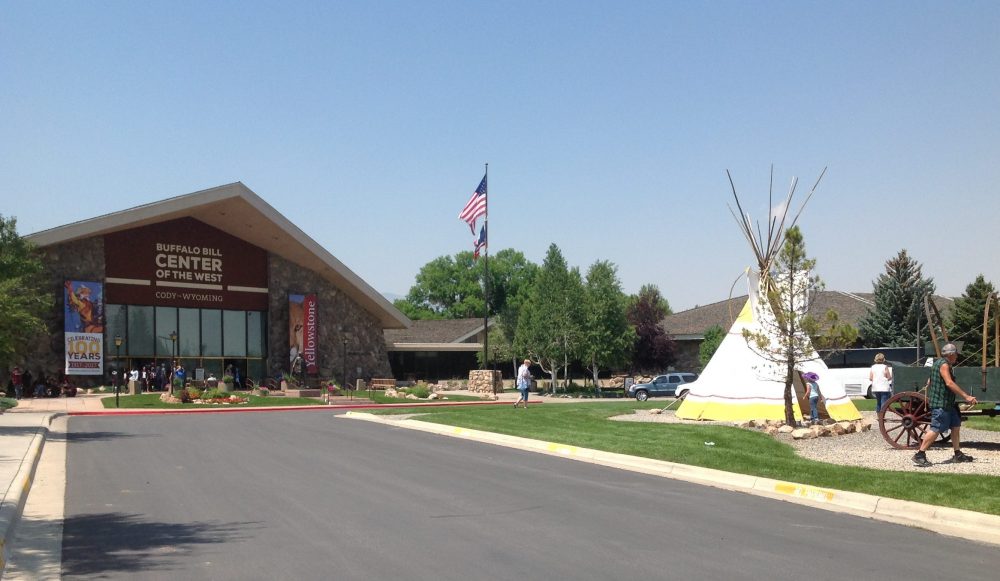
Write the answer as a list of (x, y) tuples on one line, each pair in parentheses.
[(452, 287), (607, 338), (23, 302), (654, 349)]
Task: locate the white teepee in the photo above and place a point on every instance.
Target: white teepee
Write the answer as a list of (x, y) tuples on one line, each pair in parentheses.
[(739, 383)]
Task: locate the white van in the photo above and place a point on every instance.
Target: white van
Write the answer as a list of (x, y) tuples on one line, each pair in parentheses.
[(854, 379)]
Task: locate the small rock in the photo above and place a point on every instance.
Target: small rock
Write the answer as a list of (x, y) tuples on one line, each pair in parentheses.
[(785, 429), (656, 411), (432, 396), (771, 430), (802, 433)]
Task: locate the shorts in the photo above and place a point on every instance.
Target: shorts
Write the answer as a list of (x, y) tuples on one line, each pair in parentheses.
[(944, 419)]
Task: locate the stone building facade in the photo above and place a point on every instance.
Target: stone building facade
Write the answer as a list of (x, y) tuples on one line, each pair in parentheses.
[(205, 279)]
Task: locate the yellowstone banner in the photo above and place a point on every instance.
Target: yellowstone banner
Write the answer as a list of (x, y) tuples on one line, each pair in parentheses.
[(83, 309), (302, 337)]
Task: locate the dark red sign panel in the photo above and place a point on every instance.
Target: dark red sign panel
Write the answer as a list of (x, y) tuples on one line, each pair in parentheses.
[(184, 263)]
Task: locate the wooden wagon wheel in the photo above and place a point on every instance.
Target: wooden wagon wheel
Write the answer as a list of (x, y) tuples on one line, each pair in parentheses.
[(904, 419)]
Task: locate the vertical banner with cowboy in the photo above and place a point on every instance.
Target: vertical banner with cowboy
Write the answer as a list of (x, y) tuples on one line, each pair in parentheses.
[(83, 308), (302, 333)]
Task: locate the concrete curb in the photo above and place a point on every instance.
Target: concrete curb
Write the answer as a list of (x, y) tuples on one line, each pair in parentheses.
[(12, 505), (955, 522), (287, 408)]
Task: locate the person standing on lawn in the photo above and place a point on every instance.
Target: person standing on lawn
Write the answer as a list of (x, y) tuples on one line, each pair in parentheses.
[(944, 411), (523, 382)]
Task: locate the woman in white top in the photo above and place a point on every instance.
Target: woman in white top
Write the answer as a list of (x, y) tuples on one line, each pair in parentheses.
[(523, 383), (881, 378)]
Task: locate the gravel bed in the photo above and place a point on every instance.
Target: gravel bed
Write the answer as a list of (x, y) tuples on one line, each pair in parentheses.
[(869, 449)]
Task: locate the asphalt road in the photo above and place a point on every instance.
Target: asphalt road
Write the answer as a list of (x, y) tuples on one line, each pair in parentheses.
[(305, 495)]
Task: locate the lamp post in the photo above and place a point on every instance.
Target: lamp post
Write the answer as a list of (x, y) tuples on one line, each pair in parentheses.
[(118, 362), (344, 363), (173, 353)]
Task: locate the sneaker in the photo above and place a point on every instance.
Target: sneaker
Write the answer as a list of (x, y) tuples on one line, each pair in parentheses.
[(961, 457), (920, 460)]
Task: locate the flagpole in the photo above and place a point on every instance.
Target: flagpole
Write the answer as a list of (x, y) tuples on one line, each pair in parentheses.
[(486, 275)]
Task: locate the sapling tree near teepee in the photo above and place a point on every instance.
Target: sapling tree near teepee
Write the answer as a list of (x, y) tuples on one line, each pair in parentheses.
[(787, 289)]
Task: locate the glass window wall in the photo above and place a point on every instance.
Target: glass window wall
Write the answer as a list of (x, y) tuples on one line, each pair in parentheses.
[(255, 334), (205, 337), (234, 329), (211, 333), (140, 331), (166, 324), (115, 321), (189, 323)]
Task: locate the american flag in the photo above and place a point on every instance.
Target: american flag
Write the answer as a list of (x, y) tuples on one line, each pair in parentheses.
[(480, 242), (475, 207)]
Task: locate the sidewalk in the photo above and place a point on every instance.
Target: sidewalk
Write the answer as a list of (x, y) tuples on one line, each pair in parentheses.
[(22, 436)]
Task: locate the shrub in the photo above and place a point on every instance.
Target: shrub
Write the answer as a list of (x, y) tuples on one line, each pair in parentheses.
[(184, 395), (7, 403), (264, 392), (215, 393), (420, 390), (194, 392), (227, 379)]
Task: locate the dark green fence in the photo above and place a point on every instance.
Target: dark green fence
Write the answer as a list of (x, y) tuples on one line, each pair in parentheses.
[(970, 378)]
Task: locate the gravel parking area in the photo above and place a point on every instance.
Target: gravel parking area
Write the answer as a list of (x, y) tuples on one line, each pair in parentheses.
[(869, 449)]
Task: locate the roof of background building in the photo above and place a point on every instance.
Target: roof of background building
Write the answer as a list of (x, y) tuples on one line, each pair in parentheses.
[(850, 307), (436, 335), (238, 211)]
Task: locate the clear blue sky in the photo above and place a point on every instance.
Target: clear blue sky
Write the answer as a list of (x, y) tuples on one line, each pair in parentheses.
[(608, 126)]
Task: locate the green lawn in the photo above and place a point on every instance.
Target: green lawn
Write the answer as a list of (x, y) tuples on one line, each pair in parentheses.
[(734, 450), (152, 401)]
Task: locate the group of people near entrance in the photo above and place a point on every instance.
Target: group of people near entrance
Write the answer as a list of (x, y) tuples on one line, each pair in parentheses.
[(23, 384), (152, 377)]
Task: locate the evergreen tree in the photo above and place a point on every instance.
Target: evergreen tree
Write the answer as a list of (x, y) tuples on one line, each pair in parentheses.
[(966, 321), (710, 342), (550, 321), (899, 304)]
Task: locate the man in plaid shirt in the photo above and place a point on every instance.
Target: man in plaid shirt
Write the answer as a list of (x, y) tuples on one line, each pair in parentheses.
[(944, 412)]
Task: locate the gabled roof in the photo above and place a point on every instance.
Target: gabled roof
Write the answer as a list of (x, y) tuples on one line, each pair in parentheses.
[(850, 307), (436, 335), (238, 211)]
